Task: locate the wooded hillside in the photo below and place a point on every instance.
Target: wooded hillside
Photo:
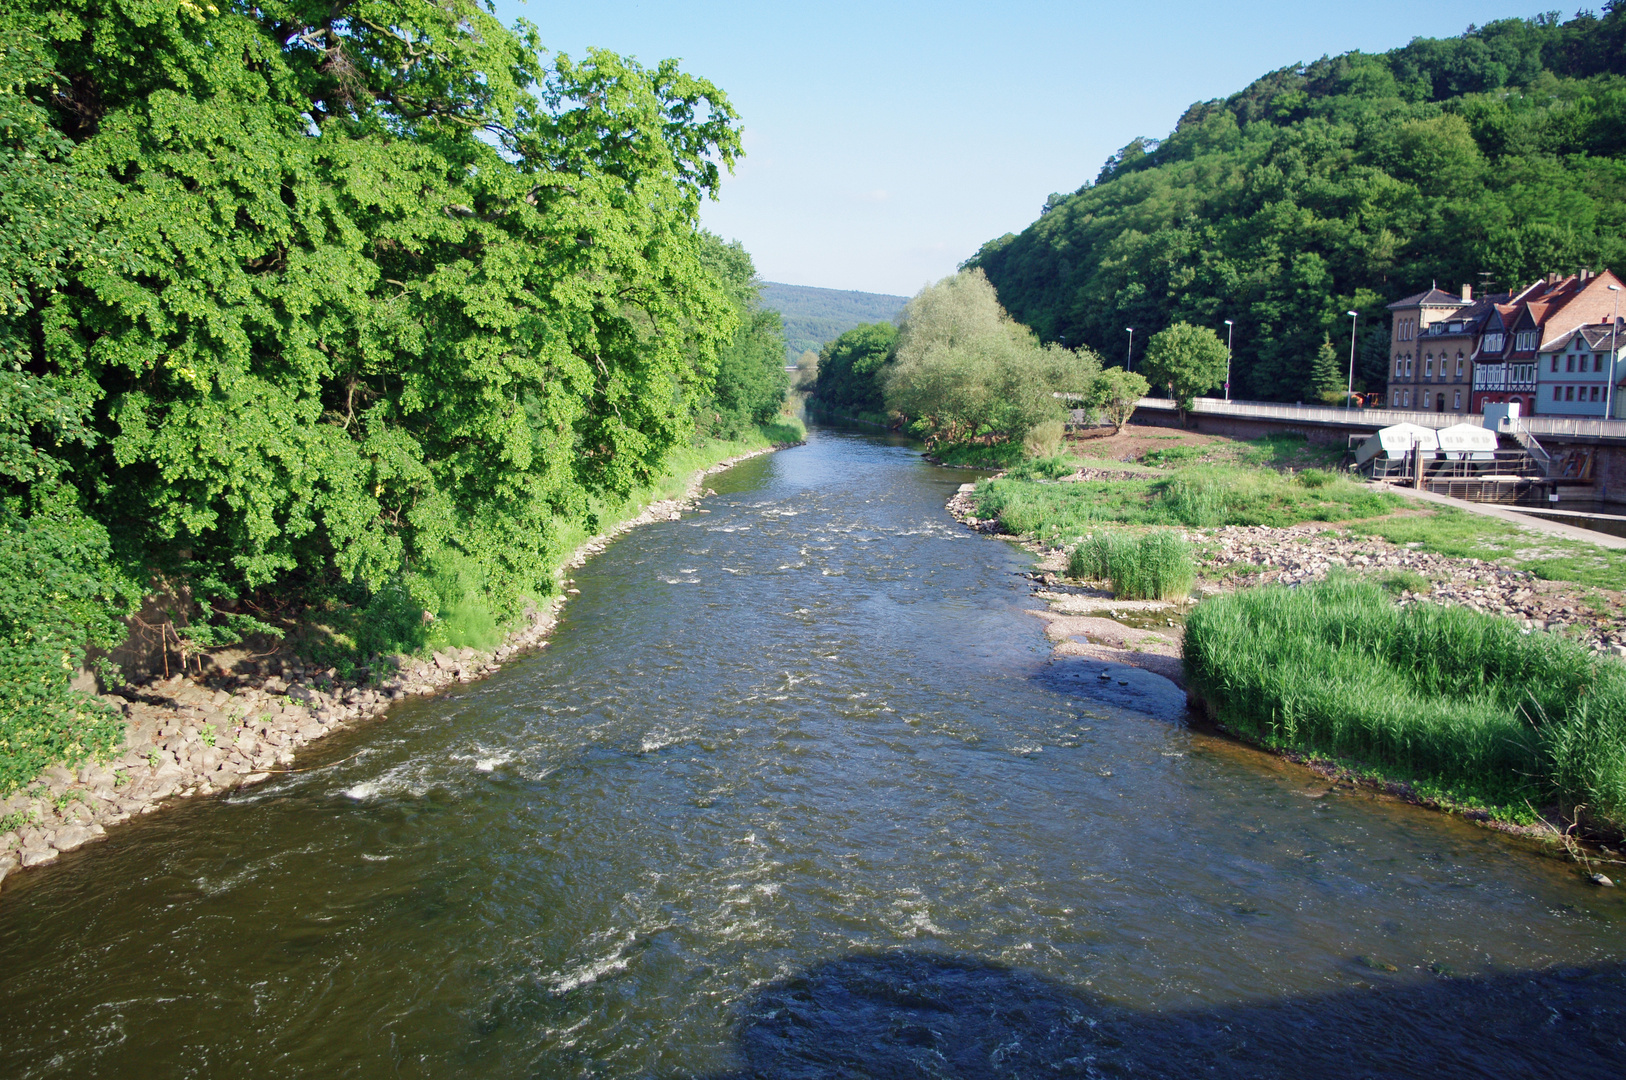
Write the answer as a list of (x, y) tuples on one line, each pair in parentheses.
[(815, 316), (1488, 159)]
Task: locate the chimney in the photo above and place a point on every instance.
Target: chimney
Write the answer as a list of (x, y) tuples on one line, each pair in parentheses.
[(1586, 274), (1467, 294)]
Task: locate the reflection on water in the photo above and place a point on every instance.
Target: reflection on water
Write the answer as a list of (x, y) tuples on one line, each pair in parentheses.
[(797, 767)]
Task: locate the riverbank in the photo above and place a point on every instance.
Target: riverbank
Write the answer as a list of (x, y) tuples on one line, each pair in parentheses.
[(1084, 620), (187, 737)]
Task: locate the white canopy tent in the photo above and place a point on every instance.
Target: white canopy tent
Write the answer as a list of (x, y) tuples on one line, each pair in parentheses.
[(1467, 442), (1396, 442)]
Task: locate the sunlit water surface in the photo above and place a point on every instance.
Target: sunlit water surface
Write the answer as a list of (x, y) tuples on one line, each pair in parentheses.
[(796, 789)]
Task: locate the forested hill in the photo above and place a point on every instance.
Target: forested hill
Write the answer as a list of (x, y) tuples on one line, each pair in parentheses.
[(815, 316), (1487, 159)]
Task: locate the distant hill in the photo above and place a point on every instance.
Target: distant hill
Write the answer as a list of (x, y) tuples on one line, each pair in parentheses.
[(815, 316)]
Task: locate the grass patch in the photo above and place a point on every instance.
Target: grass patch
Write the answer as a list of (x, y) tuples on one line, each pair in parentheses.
[(1400, 581), (1198, 496), (1152, 566), (1462, 704), (1464, 535)]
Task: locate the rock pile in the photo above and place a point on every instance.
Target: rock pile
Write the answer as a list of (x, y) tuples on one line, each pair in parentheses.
[(185, 738)]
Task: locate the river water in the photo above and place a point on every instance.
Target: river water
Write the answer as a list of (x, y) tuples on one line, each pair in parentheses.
[(798, 791)]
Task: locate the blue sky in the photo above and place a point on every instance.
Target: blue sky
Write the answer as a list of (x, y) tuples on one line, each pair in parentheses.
[(887, 141)]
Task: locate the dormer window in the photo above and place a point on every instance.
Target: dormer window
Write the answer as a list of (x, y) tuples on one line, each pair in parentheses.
[(1493, 343), (1524, 340)]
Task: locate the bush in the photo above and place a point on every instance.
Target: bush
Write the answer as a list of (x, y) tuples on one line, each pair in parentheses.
[(1044, 468), (1463, 704), (1044, 439), (1154, 566)]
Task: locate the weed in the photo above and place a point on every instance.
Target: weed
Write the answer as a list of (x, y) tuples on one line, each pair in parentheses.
[(1400, 581), (153, 758), (207, 734), (15, 820), (120, 778)]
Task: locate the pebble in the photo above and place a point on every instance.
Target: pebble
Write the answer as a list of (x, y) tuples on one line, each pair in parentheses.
[(1603, 880)]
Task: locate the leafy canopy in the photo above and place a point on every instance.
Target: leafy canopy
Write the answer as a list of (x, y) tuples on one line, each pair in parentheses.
[(1488, 159)]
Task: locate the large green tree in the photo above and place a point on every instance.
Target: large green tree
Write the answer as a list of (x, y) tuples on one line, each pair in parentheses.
[(851, 369), (965, 370), (750, 381), (1186, 360), (1491, 158), (379, 298)]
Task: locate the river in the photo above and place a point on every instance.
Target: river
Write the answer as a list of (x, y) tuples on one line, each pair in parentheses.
[(797, 790)]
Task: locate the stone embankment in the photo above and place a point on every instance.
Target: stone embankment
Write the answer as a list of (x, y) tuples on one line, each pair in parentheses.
[(187, 738)]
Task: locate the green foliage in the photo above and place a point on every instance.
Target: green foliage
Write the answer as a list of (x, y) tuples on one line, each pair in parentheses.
[(1044, 439), (964, 370), (750, 382), (352, 313), (1187, 360), (1053, 467), (981, 455), (1197, 496), (1113, 394), (1155, 565), (1341, 184), (1327, 383), (851, 369), (814, 317), (1460, 701)]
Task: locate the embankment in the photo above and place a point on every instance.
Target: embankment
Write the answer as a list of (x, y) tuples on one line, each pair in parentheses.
[(186, 737)]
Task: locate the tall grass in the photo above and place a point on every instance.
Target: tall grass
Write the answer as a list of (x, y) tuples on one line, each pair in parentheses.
[(1153, 566), (1462, 702), (1199, 496)]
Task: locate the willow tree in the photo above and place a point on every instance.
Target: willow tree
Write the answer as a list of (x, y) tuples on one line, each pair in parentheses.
[(382, 298), (964, 369)]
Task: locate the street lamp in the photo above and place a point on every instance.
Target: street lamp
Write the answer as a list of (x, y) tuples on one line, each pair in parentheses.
[(1129, 358), (1349, 391), (1614, 339), (1230, 328)]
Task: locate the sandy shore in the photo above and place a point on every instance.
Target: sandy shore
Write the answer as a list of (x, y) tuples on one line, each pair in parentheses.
[(184, 738)]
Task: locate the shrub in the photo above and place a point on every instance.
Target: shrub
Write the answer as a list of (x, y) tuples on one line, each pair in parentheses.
[(1043, 439), (1154, 566), (1461, 702)]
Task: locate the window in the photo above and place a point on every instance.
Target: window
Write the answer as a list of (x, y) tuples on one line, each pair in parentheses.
[(1428, 370), (1408, 399), (1456, 400), (1558, 393), (1397, 365), (1459, 365), (1408, 367), (1493, 343), (1394, 399), (1569, 393), (1594, 393), (1597, 363), (1569, 363), (1524, 340)]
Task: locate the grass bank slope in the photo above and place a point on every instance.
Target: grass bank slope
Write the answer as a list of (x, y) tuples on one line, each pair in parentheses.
[(1465, 707)]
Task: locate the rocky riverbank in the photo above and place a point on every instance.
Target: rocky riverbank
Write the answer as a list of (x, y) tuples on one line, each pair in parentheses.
[(185, 737), (1083, 619)]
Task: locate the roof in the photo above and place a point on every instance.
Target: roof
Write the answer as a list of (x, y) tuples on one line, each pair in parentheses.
[(1430, 298), (1592, 336)]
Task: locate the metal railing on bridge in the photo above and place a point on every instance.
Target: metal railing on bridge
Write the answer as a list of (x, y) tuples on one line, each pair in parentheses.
[(1573, 426)]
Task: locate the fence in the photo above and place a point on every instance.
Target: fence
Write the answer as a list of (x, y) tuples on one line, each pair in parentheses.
[(1577, 427)]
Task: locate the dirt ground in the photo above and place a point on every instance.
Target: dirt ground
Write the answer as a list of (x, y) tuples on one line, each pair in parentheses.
[(1135, 440)]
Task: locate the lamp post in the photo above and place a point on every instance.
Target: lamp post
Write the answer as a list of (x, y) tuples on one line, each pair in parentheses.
[(1230, 329), (1349, 391), (1129, 357), (1614, 339)]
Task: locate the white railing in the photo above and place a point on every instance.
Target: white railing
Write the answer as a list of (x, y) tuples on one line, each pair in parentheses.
[(1580, 427)]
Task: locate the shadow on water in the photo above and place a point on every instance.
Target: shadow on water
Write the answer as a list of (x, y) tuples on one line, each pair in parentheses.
[(918, 1014)]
